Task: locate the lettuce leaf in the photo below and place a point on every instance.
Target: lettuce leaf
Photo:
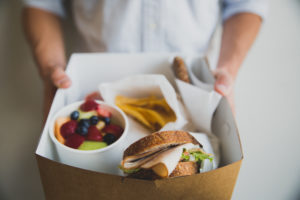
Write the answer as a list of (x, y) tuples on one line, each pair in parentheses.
[(199, 156), (185, 157), (129, 171)]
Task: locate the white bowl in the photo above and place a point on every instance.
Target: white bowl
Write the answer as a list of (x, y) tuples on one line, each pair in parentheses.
[(105, 159)]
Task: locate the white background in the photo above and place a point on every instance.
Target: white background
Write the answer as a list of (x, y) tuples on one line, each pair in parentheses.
[(268, 108), (267, 104)]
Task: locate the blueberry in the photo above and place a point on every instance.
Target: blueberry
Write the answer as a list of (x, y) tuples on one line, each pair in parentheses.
[(84, 122), (109, 138), (94, 120), (106, 120), (82, 130), (75, 115)]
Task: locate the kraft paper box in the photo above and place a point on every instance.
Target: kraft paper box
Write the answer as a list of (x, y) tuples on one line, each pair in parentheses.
[(87, 71)]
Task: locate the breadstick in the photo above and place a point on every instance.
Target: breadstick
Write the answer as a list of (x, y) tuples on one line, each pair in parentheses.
[(180, 70)]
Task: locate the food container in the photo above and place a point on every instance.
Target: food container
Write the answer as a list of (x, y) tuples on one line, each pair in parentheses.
[(64, 181), (95, 160)]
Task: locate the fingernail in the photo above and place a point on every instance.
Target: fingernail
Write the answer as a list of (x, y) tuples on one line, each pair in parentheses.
[(223, 89), (63, 82)]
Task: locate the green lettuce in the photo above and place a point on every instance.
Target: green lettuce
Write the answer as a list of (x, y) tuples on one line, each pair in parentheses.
[(185, 157), (198, 155), (129, 171)]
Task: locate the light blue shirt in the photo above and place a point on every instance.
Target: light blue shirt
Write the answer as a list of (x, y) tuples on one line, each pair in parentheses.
[(150, 25)]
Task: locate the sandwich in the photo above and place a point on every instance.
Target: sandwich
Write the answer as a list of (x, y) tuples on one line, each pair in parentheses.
[(162, 155)]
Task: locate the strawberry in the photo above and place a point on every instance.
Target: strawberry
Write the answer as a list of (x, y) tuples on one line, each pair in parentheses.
[(89, 105), (68, 128), (94, 134), (74, 141), (103, 112), (94, 95), (113, 129)]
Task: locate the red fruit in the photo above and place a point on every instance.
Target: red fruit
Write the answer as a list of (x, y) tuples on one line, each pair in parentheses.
[(94, 134), (58, 124), (89, 105), (113, 129), (74, 141), (103, 112), (68, 128), (94, 95)]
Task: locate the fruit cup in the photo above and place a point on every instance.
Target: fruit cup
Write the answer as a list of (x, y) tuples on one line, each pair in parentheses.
[(104, 159)]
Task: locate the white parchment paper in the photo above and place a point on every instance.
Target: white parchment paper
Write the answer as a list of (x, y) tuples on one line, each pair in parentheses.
[(143, 86)]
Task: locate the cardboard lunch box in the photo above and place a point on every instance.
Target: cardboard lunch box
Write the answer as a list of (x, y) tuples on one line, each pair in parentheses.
[(61, 181)]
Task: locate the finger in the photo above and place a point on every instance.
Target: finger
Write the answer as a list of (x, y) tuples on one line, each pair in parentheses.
[(60, 78), (223, 83), (230, 99), (94, 95)]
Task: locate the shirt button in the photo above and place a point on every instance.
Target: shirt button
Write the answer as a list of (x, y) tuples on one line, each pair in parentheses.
[(153, 26)]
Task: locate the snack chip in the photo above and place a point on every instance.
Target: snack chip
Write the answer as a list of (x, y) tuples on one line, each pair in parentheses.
[(152, 112)]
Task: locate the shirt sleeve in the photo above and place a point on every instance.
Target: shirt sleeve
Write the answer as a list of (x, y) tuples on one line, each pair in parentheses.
[(232, 7), (54, 6)]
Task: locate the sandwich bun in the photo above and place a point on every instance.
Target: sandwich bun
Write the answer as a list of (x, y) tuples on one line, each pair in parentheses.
[(158, 155), (158, 139)]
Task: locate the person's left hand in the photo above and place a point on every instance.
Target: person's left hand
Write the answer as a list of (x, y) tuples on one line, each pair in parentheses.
[(224, 85)]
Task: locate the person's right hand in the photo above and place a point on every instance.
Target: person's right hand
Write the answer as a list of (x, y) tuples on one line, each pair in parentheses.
[(59, 78), (53, 79), (45, 36)]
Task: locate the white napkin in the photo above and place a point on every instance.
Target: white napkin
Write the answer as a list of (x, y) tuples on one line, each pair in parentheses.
[(143, 86), (200, 104)]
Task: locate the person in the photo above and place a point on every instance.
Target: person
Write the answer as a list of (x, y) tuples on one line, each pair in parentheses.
[(143, 26)]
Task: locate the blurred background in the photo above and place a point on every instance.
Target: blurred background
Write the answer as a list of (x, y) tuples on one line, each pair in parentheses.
[(267, 109)]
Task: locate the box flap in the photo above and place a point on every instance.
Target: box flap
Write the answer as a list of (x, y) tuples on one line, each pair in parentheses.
[(224, 127), (66, 182)]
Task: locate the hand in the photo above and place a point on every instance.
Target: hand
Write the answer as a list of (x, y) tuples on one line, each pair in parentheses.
[(239, 32), (53, 79), (59, 78), (224, 85), (45, 36)]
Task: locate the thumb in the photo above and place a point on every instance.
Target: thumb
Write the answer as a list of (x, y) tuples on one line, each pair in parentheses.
[(60, 79), (223, 83)]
